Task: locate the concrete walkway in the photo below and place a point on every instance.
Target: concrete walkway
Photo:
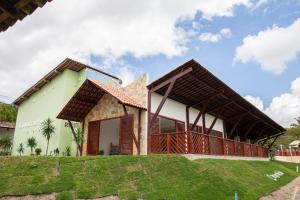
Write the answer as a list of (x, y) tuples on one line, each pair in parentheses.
[(290, 191), (201, 156)]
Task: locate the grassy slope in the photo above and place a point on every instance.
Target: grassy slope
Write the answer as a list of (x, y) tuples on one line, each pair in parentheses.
[(152, 177)]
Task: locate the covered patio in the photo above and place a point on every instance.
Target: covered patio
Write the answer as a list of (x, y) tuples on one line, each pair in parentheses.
[(194, 86), (114, 128)]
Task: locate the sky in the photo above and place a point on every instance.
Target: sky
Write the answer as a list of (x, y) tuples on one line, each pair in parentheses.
[(252, 45)]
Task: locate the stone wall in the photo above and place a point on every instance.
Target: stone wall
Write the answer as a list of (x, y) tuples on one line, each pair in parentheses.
[(108, 107), (138, 91)]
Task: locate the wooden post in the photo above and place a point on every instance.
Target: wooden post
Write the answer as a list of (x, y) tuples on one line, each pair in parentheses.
[(74, 135), (203, 123), (139, 132), (168, 143), (148, 127), (187, 110)]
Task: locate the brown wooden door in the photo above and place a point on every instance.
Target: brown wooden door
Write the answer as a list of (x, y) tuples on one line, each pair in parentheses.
[(93, 138), (126, 132)]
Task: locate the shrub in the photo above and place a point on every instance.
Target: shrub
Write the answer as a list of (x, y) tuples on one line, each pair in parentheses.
[(101, 152), (38, 151), (68, 151), (20, 149), (56, 151), (31, 142), (6, 143)]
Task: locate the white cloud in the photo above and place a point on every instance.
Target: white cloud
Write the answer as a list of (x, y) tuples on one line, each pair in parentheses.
[(283, 108), (79, 29), (272, 48), (259, 4), (256, 101), (210, 37)]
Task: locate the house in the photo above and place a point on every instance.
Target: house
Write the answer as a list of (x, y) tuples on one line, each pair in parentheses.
[(46, 98), (188, 110), (7, 128)]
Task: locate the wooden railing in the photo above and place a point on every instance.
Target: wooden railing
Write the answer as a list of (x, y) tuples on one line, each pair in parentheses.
[(198, 143), (288, 153)]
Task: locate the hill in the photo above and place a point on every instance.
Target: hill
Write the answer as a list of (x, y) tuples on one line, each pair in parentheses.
[(147, 177), (290, 135), (8, 113)]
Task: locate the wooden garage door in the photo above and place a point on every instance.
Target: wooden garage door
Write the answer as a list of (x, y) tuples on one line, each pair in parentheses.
[(126, 132), (93, 138)]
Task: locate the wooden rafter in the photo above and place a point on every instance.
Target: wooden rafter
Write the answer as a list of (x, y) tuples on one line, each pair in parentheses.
[(215, 120), (124, 109), (220, 106), (236, 124), (270, 145), (74, 135), (201, 113), (8, 7), (250, 129), (171, 85), (259, 134), (207, 98), (167, 82)]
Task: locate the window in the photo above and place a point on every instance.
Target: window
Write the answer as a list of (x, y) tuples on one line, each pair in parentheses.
[(167, 125)]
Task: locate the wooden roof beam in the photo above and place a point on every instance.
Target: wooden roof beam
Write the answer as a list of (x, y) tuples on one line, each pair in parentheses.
[(9, 8), (207, 98), (223, 94), (167, 82), (171, 85)]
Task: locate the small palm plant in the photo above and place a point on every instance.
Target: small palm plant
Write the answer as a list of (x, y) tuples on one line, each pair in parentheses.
[(20, 149), (6, 143), (31, 142), (47, 129), (79, 138)]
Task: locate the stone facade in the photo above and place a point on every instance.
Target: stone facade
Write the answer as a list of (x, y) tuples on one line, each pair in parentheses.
[(109, 107)]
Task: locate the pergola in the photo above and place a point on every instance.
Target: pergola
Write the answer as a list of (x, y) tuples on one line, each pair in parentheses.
[(194, 86)]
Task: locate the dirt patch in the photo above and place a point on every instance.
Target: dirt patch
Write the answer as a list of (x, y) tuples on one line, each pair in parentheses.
[(31, 197), (290, 191), (52, 197), (113, 197)]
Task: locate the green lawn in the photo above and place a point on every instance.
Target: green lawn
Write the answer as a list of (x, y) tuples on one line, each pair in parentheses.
[(148, 177)]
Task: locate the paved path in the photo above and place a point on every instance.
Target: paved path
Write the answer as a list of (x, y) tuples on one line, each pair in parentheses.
[(290, 191)]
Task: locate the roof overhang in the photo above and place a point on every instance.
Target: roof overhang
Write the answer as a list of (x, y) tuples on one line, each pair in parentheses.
[(13, 10), (198, 85), (88, 95), (66, 64)]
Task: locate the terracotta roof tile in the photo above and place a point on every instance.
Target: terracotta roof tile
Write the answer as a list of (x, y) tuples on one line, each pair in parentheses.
[(118, 93), (7, 125)]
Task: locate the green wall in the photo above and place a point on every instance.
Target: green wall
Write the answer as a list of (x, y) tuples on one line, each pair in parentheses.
[(48, 102)]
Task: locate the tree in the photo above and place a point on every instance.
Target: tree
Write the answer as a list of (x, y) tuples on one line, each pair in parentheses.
[(297, 124), (31, 142), (79, 138), (6, 143), (8, 113), (20, 149), (47, 129)]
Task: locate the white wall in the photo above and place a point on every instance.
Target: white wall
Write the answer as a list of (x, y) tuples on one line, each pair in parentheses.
[(176, 110), (109, 132)]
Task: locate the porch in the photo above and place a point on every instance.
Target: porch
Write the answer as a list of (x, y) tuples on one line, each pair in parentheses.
[(190, 142)]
